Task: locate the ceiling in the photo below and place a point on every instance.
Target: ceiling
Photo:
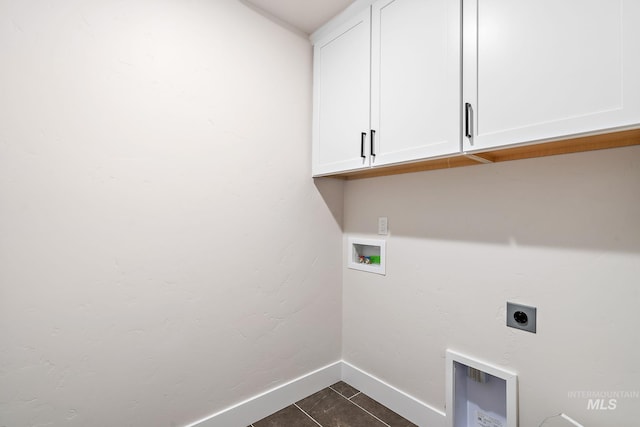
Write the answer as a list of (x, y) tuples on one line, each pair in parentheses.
[(305, 15)]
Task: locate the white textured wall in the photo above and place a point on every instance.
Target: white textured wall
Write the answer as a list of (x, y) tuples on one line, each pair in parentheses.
[(560, 233), (164, 252)]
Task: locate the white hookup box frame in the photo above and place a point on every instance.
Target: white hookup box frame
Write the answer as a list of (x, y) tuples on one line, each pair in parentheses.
[(358, 247), (479, 394)]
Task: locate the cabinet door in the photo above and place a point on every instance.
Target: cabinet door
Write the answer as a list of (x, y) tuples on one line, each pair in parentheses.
[(536, 70), (415, 75), (341, 98)]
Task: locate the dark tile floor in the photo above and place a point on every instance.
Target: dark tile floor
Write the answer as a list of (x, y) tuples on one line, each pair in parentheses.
[(339, 405)]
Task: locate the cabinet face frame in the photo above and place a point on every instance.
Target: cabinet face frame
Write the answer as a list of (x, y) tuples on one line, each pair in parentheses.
[(585, 70)]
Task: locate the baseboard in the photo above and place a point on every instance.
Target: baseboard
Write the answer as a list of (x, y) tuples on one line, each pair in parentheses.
[(398, 401), (264, 404)]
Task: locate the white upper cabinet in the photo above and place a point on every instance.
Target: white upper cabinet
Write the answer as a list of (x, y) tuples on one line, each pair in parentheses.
[(341, 97), (547, 69), (387, 86), (415, 79)]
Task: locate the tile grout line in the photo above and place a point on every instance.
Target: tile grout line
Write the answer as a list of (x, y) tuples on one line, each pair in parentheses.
[(354, 403), (348, 398), (303, 411), (355, 395)]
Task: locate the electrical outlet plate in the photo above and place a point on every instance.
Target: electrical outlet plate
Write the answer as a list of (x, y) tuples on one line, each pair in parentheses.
[(383, 225), (521, 317)]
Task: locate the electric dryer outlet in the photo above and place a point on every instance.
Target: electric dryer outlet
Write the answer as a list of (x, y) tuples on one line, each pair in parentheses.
[(521, 317)]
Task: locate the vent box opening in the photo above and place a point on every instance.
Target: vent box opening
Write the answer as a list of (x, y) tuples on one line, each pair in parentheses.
[(478, 394)]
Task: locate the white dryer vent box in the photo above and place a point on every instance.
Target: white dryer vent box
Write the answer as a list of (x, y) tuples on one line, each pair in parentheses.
[(367, 255), (479, 394)]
